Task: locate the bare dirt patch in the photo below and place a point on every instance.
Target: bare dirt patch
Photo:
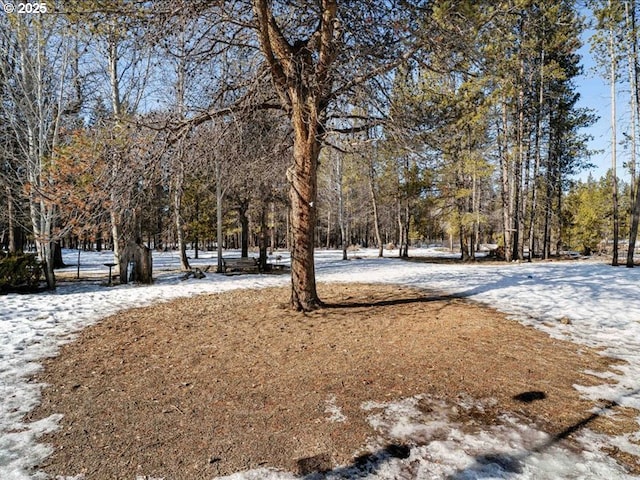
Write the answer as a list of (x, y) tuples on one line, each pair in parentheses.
[(215, 384)]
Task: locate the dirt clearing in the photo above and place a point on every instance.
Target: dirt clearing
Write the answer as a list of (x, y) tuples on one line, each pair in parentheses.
[(211, 385)]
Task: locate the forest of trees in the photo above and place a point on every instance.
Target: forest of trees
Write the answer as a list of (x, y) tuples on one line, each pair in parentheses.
[(134, 125)]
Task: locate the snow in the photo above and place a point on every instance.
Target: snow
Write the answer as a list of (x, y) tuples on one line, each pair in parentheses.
[(586, 302)]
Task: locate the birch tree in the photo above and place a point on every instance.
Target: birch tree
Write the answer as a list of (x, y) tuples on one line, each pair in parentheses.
[(37, 50)]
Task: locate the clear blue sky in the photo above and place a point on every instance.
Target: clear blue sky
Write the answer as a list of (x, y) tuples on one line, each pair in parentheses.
[(595, 94)]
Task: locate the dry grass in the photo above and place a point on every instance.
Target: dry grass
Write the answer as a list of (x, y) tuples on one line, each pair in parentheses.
[(215, 384)]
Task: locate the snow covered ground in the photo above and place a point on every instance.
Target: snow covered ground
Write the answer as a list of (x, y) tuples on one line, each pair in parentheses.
[(602, 304)]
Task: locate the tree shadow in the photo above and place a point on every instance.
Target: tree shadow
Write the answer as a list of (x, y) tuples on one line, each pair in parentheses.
[(487, 465), (394, 302), (319, 466), (497, 464), (530, 396)]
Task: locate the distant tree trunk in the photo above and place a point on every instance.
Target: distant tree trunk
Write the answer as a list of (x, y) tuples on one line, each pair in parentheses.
[(507, 219), (546, 247), (559, 231), (45, 250), (343, 235), (400, 226), (262, 238), (516, 195), (178, 181), (374, 205), (475, 212), (328, 245), (219, 200), (536, 167), (41, 222), (614, 175), (635, 106), (11, 226), (272, 243), (464, 245), (287, 236), (244, 229), (635, 219), (57, 256), (407, 229)]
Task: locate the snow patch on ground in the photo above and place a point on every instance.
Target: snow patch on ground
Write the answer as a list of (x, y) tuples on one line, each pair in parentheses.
[(335, 412)]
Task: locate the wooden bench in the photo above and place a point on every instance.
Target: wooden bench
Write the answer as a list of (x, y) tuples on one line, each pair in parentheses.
[(239, 265)]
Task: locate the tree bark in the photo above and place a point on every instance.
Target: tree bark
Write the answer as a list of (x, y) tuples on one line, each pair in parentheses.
[(10, 214), (272, 230), (177, 212), (262, 238), (374, 205), (343, 235), (136, 264), (536, 168), (303, 79), (244, 229), (407, 228), (302, 195), (219, 200), (507, 219), (635, 108), (614, 175)]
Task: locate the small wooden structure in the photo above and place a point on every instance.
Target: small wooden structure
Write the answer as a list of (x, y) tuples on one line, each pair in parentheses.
[(240, 265)]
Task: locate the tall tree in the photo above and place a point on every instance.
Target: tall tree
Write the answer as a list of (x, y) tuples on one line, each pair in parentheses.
[(36, 100), (614, 143), (633, 66), (315, 53), (610, 17)]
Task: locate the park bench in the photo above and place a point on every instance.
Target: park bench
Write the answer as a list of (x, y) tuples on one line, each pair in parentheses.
[(239, 265)]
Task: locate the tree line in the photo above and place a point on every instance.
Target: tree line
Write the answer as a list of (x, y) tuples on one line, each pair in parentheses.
[(130, 125)]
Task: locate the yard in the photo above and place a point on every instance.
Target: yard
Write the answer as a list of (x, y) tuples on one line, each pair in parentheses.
[(390, 381)]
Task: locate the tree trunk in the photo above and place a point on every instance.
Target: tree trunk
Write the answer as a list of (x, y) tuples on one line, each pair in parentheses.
[(635, 219), (136, 264), (57, 256), (374, 205), (41, 223), (516, 195), (328, 244), (614, 175), (533, 207), (244, 229), (115, 234), (10, 214), (400, 229), (407, 225), (45, 251), (635, 108), (219, 199), (272, 243), (302, 195), (343, 239), (303, 80), (262, 238), (507, 220), (177, 212)]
